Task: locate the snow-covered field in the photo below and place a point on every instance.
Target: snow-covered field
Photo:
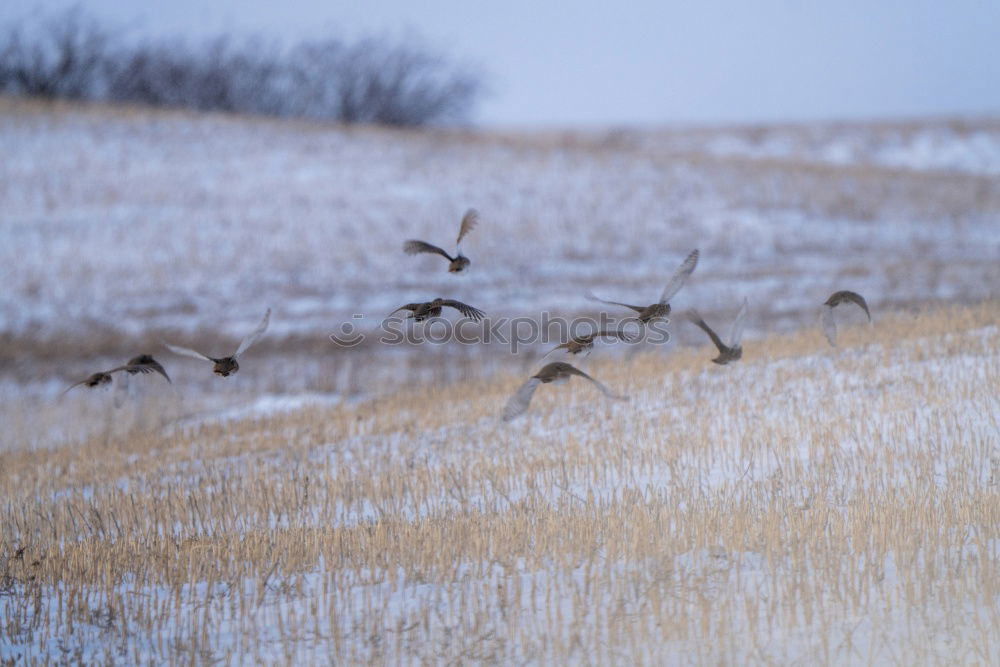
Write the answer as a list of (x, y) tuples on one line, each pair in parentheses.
[(140, 224), (971, 146), (808, 503)]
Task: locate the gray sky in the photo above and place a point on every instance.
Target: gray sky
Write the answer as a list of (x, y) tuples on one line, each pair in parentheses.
[(645, 62)]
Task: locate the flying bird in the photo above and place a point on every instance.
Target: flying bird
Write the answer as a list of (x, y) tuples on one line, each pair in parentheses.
[(578, 344), (422, 311), (459, 262), (557, 372), (225, 366), (102, 378), (734, 350), (837, 298), (662, 307)]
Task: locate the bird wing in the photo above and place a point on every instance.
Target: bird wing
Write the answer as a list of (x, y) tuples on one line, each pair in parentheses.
[(518, 404), (158, 367), (736, 333), (152, 364), (469, 222), (413, 247), (555, 349), (255, 335), (412, 307), (693, 317), (603, 388), (829, 326), (676, 281), (132, 368), (467, 310), (187, 352), (87, 379), (593, 297), (75, 384), (854, 297), (620, 335)]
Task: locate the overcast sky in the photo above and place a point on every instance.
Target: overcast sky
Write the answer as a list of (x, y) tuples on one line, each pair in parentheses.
[(648, 62)]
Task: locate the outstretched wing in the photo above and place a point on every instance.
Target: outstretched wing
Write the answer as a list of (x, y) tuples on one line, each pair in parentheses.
[(469, 222), (620, 335), (693, 317), (148, 361), (829, 326), (854, 297), (680, 275), (518, 404), (187, 352), (841, 296), (412, 307), (158, 367), (465, 309), (736, 333), (255, 335), (593, 297), (603, 389), (412, 247), (555, 349), (131, 368), (75, 384)]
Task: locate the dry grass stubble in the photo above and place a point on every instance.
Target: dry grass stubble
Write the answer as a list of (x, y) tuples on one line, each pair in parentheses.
[(805, 504)]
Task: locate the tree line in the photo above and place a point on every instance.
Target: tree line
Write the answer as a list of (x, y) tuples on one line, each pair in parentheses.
[(377, 80)]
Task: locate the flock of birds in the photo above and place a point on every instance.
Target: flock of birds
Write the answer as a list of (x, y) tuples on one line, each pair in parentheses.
[(553, 373)]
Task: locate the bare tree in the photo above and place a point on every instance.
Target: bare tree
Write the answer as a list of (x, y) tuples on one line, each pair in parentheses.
[(64, 59), (401, 84), (216, 76), (373, 80), (313, 73)]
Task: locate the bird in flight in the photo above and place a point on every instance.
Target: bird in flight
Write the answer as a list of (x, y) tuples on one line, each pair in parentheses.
[(727, 352), (225, 366), (557, 372), (578, 344), (459, 262), (102, 378), (661, 308), (837, 298), (428, 309)]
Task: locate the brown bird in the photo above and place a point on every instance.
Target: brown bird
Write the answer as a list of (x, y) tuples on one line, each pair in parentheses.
[(102, 378), (226, 366), (578, 344), (662, 307), (837, 298), (557, 372), (428, 309), (459, 262), (734, 350)]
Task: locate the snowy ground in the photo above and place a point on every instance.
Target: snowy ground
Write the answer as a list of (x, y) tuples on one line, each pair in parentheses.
[(807, 504), (121, 228), (929, 146)]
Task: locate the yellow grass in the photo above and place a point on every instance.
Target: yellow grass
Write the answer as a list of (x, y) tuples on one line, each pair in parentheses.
[(807, 504)]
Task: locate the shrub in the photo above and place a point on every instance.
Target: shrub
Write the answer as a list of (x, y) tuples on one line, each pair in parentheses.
[(372, 80)]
